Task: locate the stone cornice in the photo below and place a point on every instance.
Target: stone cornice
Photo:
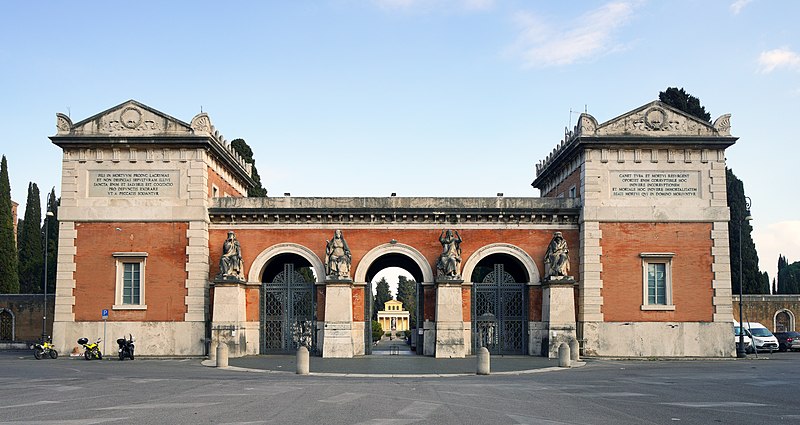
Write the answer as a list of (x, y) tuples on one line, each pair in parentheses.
[(394, 210)]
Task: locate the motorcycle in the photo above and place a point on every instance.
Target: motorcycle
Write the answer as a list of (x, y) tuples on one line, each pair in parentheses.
[(91, 351), (125, 347), (46, 348)]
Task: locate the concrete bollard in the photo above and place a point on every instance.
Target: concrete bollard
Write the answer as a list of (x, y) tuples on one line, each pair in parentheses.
[(222, 355), (212, 351), (484, 361), (302, 360), (564, 359), (574, 350)]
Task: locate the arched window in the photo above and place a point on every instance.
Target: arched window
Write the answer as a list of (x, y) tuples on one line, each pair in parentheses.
[(784, 321), (6, 325)]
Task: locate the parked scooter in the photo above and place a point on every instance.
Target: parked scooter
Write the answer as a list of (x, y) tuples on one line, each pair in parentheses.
[(125, 347), (45, 349), (91, 351)]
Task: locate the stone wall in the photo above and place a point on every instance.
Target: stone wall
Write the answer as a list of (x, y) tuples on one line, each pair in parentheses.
[(27, 311), (764, 309)]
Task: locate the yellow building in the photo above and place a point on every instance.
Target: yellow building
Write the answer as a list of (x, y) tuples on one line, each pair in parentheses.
[(393, 317)]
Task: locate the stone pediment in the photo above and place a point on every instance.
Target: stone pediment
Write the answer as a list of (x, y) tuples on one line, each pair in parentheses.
[(129, 119), (655, 119)]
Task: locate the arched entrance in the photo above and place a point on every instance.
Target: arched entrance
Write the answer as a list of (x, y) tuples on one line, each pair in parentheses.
[(784, 321), (6, 325), (393, 256), (288, 304), (500, 305)]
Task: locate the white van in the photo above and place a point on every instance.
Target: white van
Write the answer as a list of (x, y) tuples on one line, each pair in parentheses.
[(748, 343), (763, 339)]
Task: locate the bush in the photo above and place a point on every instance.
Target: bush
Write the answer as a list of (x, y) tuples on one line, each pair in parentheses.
[(377, 331)]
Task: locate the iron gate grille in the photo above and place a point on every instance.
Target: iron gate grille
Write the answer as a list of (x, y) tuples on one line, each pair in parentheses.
[(499, 313), (287, 300)]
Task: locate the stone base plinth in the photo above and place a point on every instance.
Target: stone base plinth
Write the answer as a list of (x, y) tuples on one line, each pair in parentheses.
[(338, 340)]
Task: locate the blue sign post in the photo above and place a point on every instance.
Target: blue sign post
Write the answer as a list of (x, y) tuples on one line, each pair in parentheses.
[(104, 314)]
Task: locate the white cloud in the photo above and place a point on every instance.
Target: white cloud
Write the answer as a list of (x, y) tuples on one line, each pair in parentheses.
[(545, 43), (738, 5), (778, 58), (428, 5), (777, 238)]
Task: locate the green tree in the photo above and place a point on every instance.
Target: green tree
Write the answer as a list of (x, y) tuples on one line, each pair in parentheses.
[(789, 279), (377, 331), (679, 99), (9, 278), (407, 293), (31, 246), (752, 280), (382, 294), (247, 154), (52, 240)]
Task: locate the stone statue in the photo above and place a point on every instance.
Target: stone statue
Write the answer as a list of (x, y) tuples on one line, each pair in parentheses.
[(449, 264), (337, 257), (231, 265), (556, 260)]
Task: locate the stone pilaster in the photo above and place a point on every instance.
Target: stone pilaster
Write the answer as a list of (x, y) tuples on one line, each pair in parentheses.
[(449, 319), (338, 319)]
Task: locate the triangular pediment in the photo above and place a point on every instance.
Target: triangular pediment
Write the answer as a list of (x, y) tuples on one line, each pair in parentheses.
[(128, 119), (655, 119)]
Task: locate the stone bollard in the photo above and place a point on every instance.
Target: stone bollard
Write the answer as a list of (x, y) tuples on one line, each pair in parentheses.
[(574, 350), (212, 351), (302, 360), (564, 359), (222, 355), (484, 361)]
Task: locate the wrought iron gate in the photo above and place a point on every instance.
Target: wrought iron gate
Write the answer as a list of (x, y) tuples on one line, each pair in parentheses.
[(499, 319), (287, 304)]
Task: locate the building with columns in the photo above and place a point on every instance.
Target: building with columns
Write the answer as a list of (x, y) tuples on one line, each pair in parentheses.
[(393, 317), (626, 250)]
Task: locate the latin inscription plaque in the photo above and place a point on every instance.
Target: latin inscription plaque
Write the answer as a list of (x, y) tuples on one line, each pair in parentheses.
[(656, 184), (133, 184)]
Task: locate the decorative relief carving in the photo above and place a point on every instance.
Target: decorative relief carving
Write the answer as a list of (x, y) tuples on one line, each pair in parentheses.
[(723, 125), (130, 120), (131, 117), (63, 123), (201, 123), (656, 118)]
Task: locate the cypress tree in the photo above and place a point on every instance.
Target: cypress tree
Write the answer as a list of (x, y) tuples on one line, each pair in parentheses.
[(752, 280), (52, 240), (407, 293), (243, 149), (31, 245), (9, 279)]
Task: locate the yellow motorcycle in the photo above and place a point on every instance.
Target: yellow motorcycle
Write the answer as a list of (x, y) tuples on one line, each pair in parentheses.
[(91, 351), (45, 349)]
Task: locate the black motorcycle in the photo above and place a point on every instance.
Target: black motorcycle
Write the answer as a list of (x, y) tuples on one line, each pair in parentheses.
[(125, 347)]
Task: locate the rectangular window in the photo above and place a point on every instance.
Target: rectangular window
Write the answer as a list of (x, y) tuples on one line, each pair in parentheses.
[(130, 281), (573, 192), (657, 280)]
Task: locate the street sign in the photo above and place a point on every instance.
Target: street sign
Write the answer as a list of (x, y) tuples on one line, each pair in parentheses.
[(105, 314)]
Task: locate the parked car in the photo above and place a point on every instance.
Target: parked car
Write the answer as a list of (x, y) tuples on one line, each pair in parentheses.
[(748, 343), (763, 339), (788, 340)]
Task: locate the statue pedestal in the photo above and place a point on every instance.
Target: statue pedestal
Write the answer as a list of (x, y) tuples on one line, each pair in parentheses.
[(449, 319), (558, 314), (230, 314), (338, 331)]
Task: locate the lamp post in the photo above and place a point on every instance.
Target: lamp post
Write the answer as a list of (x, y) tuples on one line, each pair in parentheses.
[(47, 216), (740, 353)]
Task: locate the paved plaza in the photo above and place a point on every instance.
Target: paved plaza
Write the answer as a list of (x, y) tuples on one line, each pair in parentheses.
[(183, 391)]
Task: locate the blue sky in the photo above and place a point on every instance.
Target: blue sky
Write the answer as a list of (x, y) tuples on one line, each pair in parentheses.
[(422, 98)]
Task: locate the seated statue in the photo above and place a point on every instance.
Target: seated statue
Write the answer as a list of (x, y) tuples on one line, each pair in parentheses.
[(556, 260), (231, 265), (337, 257), (449, 263)]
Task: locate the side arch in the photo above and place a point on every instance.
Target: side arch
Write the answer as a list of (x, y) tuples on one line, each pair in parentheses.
[(502, 248), (393, 248), (791, 324), (12, 331), (257, 268)]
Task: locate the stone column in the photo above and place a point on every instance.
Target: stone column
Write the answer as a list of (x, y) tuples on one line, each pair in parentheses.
[(230, 314), (558, 313), (338, 331), (449, 319)]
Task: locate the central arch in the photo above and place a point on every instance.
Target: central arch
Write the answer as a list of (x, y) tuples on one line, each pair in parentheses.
[(393, 248)]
